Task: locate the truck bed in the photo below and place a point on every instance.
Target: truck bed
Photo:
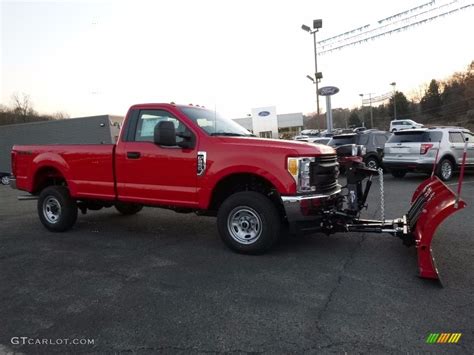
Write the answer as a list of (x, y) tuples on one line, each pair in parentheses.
[(88, 168), (81, 130)]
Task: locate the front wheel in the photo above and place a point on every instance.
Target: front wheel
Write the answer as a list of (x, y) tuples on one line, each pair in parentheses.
[(57, 211), (248, 222)]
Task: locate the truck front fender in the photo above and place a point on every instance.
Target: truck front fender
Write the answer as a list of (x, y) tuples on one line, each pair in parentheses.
[(283, 186)]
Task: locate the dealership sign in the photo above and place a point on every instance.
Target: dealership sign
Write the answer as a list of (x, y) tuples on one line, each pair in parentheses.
[(264, 113), (328, 90)]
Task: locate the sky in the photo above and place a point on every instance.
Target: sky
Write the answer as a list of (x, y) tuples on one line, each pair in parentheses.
[(98, 57)]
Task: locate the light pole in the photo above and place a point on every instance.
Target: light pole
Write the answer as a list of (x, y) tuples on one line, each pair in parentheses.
[(371, 112), (315, 82), (361, 108), (394, 100), (371, 109), (317, 24)]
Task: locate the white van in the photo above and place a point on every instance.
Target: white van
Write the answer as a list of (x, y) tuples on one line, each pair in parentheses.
[(398, 125)]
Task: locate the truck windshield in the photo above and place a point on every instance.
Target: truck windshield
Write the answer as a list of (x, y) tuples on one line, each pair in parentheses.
[(214, 124)]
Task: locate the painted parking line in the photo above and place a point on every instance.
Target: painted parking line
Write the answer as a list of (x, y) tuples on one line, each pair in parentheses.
[(464, 182)]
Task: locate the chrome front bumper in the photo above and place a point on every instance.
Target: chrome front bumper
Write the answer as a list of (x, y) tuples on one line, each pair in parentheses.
[(294, 204)]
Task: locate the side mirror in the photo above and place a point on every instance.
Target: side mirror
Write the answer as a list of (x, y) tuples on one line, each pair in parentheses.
[(188, 141), (165, 134)]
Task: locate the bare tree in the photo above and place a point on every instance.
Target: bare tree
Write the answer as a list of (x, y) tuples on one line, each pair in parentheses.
[(417, 94), (22, 106), (61, 115)]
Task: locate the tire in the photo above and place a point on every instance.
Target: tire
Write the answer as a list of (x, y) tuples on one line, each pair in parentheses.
[(5, 180), (248, 222), (128, 209), (399, 174), (57, 211), (445, 169), (372, 163)]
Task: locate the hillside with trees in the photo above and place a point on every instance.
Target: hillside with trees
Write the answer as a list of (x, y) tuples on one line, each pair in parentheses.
[(441, 102), (21, 111)]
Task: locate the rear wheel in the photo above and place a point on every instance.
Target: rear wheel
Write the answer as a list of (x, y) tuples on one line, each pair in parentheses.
[(445, 169), (248, 222), (399, 174), (57, 211), (128, 209)]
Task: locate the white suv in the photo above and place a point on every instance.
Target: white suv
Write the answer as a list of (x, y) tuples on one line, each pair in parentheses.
[(414, 150), (398, 125)]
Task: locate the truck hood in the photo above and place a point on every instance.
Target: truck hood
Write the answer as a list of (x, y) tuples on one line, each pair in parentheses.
[(293, 147)]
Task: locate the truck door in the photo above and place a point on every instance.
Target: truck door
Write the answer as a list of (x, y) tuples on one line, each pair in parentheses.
[(153, 174)]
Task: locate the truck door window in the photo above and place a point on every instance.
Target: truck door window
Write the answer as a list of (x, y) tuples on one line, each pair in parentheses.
[(147, 121)]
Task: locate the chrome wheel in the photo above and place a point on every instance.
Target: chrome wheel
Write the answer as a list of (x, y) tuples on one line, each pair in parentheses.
[(52, 210), (446, 170), (244, 225), (5, 180)]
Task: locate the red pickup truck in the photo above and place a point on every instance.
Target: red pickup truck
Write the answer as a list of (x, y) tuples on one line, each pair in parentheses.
[(188, 159)]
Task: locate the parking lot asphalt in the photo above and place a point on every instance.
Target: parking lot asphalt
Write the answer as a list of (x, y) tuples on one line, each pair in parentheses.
[(163, 282)]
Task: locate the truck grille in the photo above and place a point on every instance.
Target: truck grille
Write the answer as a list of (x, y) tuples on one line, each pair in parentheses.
[(324, 172)]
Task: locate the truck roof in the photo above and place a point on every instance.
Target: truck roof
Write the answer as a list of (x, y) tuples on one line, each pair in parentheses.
[(164, 105)]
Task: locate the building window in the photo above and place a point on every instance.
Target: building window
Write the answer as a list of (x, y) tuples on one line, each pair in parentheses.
[(266, 134)]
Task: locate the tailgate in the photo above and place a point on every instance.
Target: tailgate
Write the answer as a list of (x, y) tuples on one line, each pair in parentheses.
[(407, 145), (402, 151), (21, 160)]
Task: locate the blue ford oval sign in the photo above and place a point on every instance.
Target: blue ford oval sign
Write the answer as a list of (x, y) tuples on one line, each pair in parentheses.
[(328, 90), (263, 113)]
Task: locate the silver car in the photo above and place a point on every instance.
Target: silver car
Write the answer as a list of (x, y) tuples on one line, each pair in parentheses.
[(398, 125), (414, 150)]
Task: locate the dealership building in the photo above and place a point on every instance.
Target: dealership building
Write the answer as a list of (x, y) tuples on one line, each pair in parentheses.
[(266, 123)]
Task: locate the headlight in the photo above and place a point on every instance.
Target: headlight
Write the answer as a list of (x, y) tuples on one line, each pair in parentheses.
[(299, 168)]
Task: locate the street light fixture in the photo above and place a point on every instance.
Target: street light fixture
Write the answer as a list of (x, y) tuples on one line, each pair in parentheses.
[(317, 24), (394, 100)]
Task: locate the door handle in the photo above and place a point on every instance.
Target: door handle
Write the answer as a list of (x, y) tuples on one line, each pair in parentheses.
[(133, 155)]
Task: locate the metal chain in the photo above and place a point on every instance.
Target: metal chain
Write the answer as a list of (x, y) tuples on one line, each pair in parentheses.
[(382, 201)]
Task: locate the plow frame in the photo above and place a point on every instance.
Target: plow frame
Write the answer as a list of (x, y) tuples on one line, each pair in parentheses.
[(431, 203)]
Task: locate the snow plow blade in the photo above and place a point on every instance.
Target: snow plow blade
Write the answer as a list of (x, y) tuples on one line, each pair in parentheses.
[(432, 203)]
